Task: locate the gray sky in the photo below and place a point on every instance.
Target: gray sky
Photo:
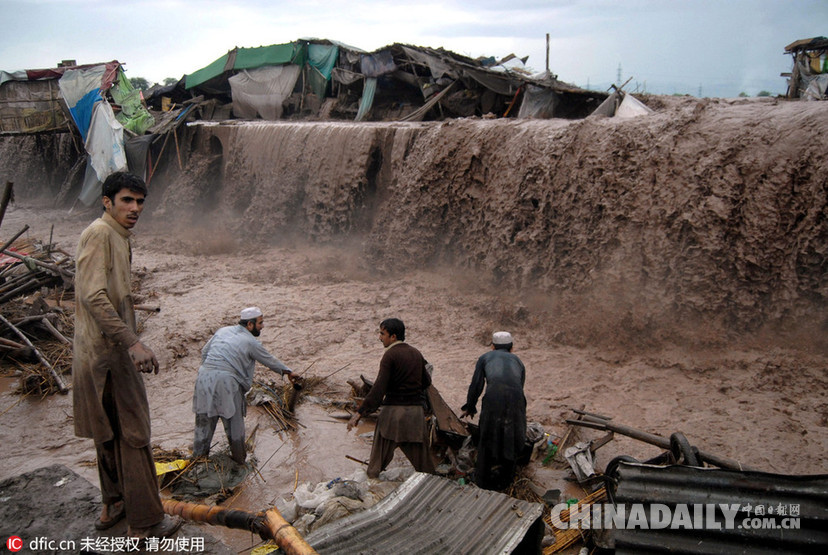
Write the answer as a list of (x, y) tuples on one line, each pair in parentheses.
[(721, 47)]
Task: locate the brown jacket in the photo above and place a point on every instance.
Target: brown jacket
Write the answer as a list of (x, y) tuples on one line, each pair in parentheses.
[(104, 330)]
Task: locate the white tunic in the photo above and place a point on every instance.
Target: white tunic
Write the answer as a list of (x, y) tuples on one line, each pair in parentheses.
[(228, 363)]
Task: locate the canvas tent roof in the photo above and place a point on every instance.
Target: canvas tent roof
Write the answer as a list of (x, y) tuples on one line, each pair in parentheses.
[(247, 58)]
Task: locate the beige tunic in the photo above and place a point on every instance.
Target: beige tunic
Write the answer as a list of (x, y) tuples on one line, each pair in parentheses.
[(104, 330)]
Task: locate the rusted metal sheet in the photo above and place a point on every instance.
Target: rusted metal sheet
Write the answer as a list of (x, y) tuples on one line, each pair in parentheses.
[(705, 490), (428, 514)]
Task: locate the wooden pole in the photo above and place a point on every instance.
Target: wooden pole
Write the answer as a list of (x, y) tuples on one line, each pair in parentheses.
[(8, 194)]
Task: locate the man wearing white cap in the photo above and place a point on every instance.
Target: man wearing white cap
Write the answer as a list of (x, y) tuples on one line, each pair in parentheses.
[(228, 363), (502, 413)]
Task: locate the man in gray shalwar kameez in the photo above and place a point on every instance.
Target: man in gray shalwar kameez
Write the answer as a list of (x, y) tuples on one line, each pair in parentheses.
[(228, 362)]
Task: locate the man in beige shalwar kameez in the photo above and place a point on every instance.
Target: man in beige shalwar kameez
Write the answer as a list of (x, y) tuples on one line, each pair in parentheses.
[(110, 402)]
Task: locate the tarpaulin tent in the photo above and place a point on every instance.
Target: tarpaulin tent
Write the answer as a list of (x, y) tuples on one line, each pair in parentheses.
[(261, 91), (103, 135), (213, 77)]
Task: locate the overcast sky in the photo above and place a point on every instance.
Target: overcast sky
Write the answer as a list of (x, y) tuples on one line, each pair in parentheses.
[(716, 47)]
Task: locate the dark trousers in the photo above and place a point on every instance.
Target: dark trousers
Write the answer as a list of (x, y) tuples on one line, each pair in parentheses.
[(127, 473), (382, 453), (205, 427)]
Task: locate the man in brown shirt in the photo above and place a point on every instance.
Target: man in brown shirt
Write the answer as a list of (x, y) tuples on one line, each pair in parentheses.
[(109, 399), (400, 388)]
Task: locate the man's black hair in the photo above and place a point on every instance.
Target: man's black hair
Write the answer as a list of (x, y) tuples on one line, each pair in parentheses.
[(113, 184), (394, 326), (243, 323), (504, 347)]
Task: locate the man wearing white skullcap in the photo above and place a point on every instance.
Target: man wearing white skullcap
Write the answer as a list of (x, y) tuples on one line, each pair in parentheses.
[(502, 413), (228, 363)]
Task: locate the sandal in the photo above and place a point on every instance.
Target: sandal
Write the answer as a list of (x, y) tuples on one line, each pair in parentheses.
[(114, 517), (168, 526)]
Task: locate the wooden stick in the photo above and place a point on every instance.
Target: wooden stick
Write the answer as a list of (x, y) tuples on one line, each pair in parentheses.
[(13, 239), (355, 459), (177, 151), (147, 308), (308, 368), (28, 286), (12, 344), (54, 331), (335, 371), (58, 381)]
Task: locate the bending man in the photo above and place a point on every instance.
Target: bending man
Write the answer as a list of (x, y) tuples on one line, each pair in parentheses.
[(228, 363), (502, 414), (400, 388)]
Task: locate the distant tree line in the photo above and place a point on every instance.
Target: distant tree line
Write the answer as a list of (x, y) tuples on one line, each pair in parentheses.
[(142, 84)]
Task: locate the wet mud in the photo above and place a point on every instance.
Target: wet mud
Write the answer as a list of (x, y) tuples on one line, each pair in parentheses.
[(668, 271)]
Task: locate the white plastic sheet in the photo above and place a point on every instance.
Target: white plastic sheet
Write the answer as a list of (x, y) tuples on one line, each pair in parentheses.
[(262, 91)]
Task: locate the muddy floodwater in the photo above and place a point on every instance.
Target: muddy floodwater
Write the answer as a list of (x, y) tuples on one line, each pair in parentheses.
[(668, 272)]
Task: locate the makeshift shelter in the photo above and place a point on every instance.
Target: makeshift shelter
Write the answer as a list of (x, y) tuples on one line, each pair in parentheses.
[(30, 101), (809, 77), (102, 132), (398, 82), (621, 104)]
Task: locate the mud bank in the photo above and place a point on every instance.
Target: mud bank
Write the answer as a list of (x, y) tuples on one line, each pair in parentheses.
[(698, 223)]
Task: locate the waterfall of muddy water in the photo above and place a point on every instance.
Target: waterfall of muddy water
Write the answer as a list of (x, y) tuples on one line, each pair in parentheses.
[(667, 271)]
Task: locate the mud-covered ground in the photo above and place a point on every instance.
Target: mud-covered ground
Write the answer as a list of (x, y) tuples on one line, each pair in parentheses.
[(675, 279)]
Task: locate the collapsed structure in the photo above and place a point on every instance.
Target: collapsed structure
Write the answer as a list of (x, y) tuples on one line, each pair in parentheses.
[(328, 79), (809, 77), (308, 79)]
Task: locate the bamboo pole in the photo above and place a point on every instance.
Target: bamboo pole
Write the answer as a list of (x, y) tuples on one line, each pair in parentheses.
[(272, 525), (285, 535)]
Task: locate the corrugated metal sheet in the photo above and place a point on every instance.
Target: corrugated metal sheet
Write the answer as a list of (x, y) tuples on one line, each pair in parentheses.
[(672, 485), (430, 514)]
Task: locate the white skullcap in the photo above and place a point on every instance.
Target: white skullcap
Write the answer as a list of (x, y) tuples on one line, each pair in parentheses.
[(251, 313), (501, 338)]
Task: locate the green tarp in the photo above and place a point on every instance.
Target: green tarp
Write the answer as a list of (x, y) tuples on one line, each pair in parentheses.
[(321, 58), (133, 115), (249, 58)]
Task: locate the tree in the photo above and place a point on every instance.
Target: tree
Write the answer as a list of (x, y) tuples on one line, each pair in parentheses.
[(743, 94), (170, 81), (764, 93), (139, 83)]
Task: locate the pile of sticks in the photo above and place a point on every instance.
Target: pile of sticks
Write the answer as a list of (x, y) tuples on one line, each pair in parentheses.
[(282, 399), (36, 324)]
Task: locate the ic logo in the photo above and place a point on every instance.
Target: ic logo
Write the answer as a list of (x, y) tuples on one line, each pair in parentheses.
[(14, 543)]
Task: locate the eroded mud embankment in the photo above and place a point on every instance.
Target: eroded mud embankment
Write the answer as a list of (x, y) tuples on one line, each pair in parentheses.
[(704, 219)]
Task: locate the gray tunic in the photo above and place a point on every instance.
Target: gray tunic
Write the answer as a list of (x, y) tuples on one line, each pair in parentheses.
[(228, 363)]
